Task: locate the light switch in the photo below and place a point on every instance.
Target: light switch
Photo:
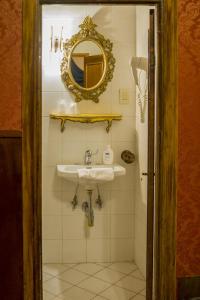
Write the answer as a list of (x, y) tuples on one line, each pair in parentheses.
[(123, 96)]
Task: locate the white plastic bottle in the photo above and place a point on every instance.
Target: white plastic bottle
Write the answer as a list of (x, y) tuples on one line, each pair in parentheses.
[(108, 155)]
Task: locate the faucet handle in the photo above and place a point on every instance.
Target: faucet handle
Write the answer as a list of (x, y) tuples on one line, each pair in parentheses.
[(88, 152), (96, 152)]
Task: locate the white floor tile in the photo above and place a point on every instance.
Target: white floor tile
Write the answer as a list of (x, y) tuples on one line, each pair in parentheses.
[(73, 276), (132, 284), (55, 269), (76, 293), (139, 297), (123, 267), (143, 293), (88, 268), (137, 274), (74, 251), (94, 285), (56, 286), (46, 276), (47, 296), (117, 293), (108, 275)]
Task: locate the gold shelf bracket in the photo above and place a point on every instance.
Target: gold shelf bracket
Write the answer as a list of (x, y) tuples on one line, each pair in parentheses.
[(87, 118)]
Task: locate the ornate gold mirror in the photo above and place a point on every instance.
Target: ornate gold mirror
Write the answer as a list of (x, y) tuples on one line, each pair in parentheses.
[(88, 62)]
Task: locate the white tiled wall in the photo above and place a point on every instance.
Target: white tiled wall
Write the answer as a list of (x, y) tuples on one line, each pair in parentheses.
[(66, 236)]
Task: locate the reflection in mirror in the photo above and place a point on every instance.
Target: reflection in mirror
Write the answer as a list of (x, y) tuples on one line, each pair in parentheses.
[(87, 64)]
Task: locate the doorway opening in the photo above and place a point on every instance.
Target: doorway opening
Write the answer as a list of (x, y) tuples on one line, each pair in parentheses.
[(101, 251), (34, 92)]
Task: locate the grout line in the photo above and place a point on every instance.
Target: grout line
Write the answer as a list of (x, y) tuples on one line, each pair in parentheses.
[(93, 276)]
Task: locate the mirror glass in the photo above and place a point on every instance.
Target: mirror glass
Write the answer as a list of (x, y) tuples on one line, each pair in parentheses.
[(87, 64)]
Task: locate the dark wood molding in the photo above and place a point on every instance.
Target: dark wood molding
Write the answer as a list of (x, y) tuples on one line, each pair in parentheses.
[(11, 236), (10, 134), (151, 155), (31, 118), (188, 287), (166, 169), (135, 2), (165, 233)]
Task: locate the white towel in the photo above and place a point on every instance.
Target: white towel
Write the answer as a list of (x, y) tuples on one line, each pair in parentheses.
[(104, 174)]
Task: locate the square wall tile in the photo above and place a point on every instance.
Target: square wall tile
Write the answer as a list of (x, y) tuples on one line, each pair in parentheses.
[(52, 251), (97, 133), (123, 130), (74, 132), (67, 186), (74, 251), (104, 105), (51, 152), (73, 152), (98, 250), (122, 201), (51, 202), (50, 130), (125, 182), (106, 201), (51, 77), (122, 250), (101, 228), (74, 226), (67, 197), (50, 179), (51, 101), (52, 227), (122, 226)]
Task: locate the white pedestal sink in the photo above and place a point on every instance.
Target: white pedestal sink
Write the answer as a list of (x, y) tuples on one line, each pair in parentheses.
[(71, 173), (100, 174)]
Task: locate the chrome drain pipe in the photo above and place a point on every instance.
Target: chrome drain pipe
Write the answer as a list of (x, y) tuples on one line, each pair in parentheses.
[(87, 208)]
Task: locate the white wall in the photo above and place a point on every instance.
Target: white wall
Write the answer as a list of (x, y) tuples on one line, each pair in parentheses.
[(66, 237), (142, 25)]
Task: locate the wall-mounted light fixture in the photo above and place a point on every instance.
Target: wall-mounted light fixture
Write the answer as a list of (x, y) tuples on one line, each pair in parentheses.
[(56, 42)]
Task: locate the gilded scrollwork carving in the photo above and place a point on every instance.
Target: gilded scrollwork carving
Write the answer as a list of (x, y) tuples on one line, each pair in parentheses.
[(88, 33)]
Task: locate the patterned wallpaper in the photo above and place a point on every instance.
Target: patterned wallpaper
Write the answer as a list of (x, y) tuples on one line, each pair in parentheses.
[(10, 64), (188, 233), (188, 219)]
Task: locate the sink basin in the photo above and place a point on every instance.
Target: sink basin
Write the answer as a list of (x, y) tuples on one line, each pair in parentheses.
[(71, 173)]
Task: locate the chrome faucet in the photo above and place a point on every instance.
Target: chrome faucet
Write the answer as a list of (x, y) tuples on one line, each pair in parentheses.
[(88, 157)]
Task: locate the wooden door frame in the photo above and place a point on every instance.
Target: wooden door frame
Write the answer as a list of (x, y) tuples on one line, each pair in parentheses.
[(165, 221)]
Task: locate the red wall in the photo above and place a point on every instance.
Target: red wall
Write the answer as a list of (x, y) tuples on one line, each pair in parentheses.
[(188, 219), (10, 64), (188, 222)]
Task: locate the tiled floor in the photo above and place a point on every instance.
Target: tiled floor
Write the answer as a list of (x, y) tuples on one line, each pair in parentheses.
[(99, 281)]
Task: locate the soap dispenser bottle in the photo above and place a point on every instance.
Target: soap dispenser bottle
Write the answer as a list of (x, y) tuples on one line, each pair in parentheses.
[(108, 155)]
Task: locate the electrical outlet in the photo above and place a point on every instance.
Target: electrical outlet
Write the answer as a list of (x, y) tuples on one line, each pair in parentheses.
[(123, 96)]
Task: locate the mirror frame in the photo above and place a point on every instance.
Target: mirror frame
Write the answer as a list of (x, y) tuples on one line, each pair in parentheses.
[(87, 33)]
